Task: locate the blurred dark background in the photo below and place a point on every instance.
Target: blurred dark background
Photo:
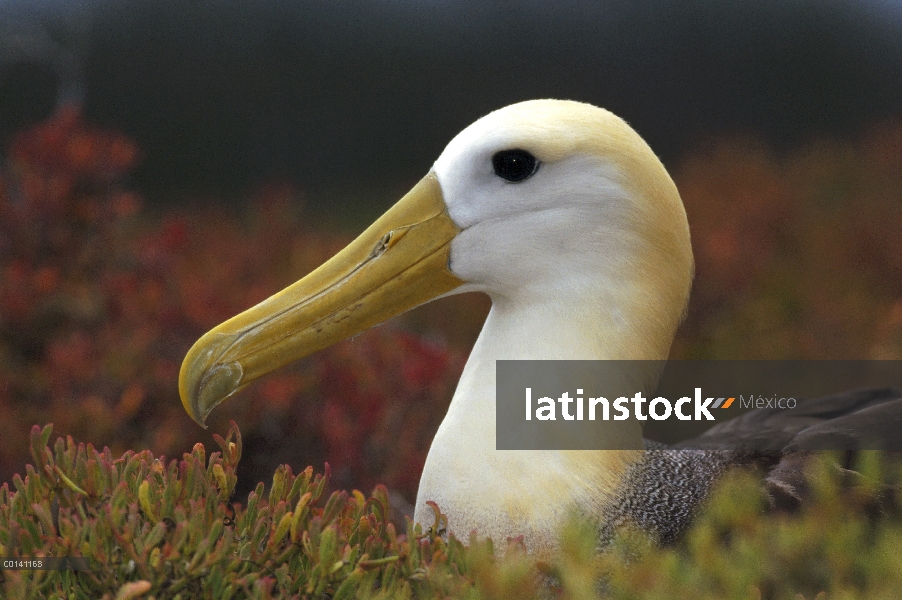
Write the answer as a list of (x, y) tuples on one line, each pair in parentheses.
[(353, 100)]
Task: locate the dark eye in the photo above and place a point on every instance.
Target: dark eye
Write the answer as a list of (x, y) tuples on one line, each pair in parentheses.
[(514, 165)]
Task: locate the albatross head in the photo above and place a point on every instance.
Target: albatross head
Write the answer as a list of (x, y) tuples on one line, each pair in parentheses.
[(545, 203)]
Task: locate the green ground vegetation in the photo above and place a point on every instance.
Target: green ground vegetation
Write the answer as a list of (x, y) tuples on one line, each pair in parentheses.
[(157, 529)]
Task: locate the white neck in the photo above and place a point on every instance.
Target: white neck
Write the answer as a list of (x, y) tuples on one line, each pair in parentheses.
[(464, 471), (562, 330)]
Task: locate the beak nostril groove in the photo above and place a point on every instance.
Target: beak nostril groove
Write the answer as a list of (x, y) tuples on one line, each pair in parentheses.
[(388, 240)]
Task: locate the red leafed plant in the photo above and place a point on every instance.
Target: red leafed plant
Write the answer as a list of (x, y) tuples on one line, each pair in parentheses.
[(99, 303), (798, 255)]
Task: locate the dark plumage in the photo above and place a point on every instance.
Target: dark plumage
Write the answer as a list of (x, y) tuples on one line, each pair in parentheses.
[(663, 492)]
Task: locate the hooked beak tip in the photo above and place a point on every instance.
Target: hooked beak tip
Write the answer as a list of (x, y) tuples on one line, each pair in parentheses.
[(204, 382)]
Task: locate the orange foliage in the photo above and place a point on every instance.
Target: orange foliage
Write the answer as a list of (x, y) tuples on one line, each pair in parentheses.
[(99, 304), (797, 256)]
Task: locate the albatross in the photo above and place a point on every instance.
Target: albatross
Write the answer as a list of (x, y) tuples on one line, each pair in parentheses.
[(565, 217)]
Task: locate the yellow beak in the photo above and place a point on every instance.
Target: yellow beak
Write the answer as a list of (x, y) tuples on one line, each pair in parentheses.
[(399, 262)]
